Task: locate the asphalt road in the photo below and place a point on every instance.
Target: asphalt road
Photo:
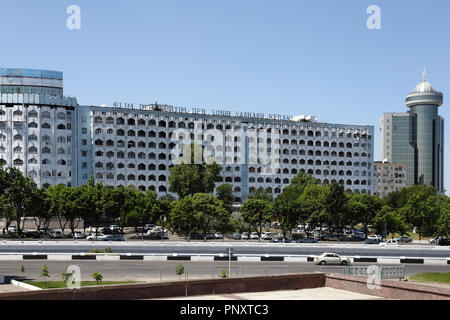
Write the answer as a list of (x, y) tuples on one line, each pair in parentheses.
[(152, 271), (216, 248)]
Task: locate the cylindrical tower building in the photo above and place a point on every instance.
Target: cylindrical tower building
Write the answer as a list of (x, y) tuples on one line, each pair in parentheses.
[(428, 132)]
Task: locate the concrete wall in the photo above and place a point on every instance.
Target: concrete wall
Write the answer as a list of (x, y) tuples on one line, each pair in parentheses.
[(175, 289), (390, 289)]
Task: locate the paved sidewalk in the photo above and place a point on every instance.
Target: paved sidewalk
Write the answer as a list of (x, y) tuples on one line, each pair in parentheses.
[(324, 293), (4, 288)]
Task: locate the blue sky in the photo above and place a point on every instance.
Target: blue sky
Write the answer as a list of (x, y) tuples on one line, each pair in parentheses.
[(286, 56)]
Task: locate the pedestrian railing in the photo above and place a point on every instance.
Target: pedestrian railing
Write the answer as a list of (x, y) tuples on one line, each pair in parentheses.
[(384, 272)]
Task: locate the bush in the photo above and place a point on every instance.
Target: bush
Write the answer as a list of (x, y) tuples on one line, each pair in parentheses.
[(224, 274), (179, 270)]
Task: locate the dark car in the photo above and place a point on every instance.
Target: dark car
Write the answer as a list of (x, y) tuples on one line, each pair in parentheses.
[(32, 234), (306, 240), (234, 236), (373, 241), (196, 236), (444, 242), (404, 240)]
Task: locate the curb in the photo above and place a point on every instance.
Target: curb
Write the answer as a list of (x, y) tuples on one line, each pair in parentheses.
[(25, 285), (205, 258)]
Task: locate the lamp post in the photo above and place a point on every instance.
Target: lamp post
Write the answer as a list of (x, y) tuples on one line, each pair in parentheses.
[(229, 261)]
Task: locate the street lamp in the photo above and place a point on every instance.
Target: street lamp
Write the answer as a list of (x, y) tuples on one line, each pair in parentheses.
[(230, 252)]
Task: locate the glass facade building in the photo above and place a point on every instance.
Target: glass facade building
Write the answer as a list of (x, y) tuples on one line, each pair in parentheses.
[(416, 138)]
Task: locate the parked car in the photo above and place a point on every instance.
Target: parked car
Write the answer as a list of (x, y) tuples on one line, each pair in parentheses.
[(372, 241), (444, 242), (234, 236), (12, 229), (277, 236), (158, 233), (267, 236), (434, 240), (55, 234), (114, 228), (331, 258), (32, 234), (404, 240), (196, 236), (332, 237), (390, 242), (218, 235), (77, 235), (254, 236), (149, 226), (245, 236), (375, 237), (96, 237), (306, 240), (113, 237), (210, 236)]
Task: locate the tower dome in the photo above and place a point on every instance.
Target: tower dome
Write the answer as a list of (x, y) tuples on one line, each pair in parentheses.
[(424, 94), (424, 87)]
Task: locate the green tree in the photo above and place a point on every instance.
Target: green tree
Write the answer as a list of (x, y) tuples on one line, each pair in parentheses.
[(182, 216), (224, 193), (421, 209), (336, 206), (363, 209), (209, 212), (16, 196), (66, 275), (313, 205), (257, 212), (97, 277), (287, 210), (261, 194), (191, 177), (391, 220), (443, 223), (179, 270), (45, 274)]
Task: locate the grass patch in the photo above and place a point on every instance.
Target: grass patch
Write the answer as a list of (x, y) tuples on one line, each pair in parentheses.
[(431, 277), (96, 250), (61, 284)]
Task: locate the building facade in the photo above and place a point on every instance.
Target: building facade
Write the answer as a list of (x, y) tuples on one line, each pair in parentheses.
[(36, 127), (416, 138), (388, 177), (123, 146)]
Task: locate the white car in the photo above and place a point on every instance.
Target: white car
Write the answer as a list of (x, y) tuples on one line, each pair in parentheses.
[(254, 236), (245, 236), (267, 236), (77, 235), (12, 229), (218, 235), (331, 258), (113, 237), (99, 236), (390, 242), (375, 237)]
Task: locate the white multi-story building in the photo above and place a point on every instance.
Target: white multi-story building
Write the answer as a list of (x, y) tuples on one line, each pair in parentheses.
[(123, 146), (36, 129)]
